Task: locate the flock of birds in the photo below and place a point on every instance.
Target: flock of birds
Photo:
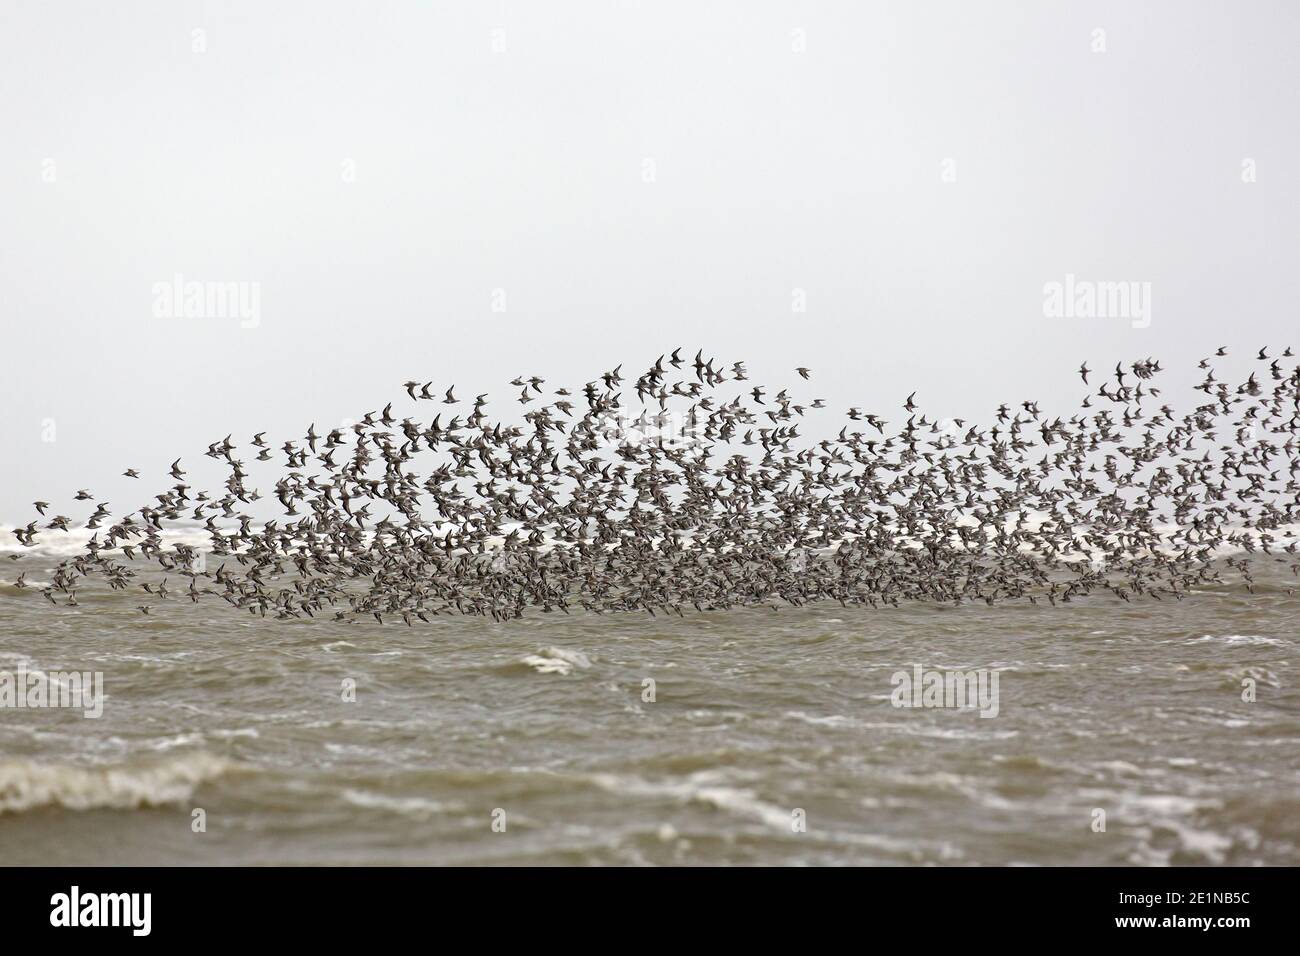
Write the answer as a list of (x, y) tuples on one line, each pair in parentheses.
[(706, 501)]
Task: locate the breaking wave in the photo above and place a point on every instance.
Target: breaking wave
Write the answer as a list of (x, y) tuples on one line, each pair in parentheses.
[(28, 785)]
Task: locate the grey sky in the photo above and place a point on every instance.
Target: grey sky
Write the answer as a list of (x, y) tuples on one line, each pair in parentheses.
[(380, 170)]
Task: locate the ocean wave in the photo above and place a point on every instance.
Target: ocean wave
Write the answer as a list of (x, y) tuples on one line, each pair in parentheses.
[(28, 785), (1253, 639), (70, 543), (714, 789), (706, 788), (556, 660), (718, 791), (417, 808), (12, 586)]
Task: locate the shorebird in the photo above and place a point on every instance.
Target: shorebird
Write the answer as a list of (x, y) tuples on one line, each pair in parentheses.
[(678, 495)]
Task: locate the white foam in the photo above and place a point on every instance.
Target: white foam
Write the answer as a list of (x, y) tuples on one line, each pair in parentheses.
[(25, 784), (416, 807), (556, 660), (1238, 639), (705, 787)]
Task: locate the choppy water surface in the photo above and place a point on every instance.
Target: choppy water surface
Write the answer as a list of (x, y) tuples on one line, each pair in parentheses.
[(1135, 709)]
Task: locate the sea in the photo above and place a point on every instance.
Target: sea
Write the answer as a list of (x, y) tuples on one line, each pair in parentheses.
[(1142, 733)]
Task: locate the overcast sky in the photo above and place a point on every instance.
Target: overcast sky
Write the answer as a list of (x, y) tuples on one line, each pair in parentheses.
[(466, 191)]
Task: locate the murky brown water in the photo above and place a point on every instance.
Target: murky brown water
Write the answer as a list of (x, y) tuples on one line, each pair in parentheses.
[(760, 719)]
